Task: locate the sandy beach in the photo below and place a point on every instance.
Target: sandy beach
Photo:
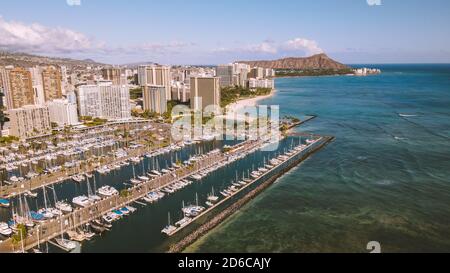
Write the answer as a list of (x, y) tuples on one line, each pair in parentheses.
[(248, 102)]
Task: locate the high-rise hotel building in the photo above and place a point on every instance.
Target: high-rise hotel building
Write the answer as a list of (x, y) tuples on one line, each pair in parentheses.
[(51, 81), (63, 112), (114, 75), (29, 121), (155, 75), (205, 91), (155, 100), (104, 100), (18, 88), (226, 74)]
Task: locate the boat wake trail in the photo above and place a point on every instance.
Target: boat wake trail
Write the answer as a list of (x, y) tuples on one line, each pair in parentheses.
[(426, 129), (407, 116)]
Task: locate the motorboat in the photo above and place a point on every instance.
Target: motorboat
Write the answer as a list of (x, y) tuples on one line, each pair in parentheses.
[(55, 211), (155, 172), (197, 177), (38, 217), (125, 210), (135, 181), (5, 230), (4, 203), (94, 198), (64, 207), (31, 194), (81, 201), (224, 194), (143, 178), (108, 219), (78, 178), (47, 214), (107, 191), (183, 222), (131, 209)]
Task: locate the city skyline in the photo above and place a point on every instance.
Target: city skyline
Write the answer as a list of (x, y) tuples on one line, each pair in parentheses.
[(153, 31)]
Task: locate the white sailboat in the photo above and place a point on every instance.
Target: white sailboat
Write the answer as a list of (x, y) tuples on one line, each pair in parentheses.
[(169, 230), (212, 198), (135, 181), (91, 194), (66, 244), (63, 206)]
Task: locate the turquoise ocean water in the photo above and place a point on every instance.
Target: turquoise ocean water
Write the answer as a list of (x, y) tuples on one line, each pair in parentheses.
[(386, 178)]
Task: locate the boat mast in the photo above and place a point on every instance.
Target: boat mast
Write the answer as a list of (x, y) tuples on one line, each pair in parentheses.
[(88, 187), (45, 197), (54, 194), (184, 213), (95, 184), (38, 238)]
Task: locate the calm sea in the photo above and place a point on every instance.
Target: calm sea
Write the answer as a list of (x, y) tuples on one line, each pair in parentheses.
[(386, 178)]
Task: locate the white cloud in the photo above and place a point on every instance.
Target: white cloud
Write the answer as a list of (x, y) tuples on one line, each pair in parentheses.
[(39, 39), (35, 38), (264, 47), (298, 46), (310, 47), (58, 41)]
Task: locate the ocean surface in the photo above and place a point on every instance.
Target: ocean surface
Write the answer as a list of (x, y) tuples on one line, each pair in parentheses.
[(386, 178)]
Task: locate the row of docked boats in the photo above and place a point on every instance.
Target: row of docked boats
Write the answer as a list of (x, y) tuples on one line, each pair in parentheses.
[(193, 211), (84, 201), (89, 231), (118, 214)]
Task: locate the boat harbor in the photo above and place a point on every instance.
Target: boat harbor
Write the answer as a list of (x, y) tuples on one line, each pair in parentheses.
[(274, 167), (85, 213), (180, 185), (97, 215)]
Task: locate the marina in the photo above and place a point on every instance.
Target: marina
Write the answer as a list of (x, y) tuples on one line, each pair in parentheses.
[(97, 216), (84, 214), (279, 162)]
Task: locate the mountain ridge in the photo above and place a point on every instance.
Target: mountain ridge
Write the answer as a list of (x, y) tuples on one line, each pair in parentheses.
[(318, 61), (31, 60)]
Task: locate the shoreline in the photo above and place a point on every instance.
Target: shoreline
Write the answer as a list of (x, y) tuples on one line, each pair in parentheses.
[(249, 102)]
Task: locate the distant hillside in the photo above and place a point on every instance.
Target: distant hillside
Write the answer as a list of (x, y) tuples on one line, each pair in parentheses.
[(28, 60), (319, 61), (136, 65)]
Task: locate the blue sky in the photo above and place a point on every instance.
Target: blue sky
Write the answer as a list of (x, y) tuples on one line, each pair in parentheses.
[(211, 32)]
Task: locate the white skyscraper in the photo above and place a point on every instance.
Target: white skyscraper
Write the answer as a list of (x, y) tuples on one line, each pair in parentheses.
[(104, 100), (63, 112), (155, 98), (29, 121)]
